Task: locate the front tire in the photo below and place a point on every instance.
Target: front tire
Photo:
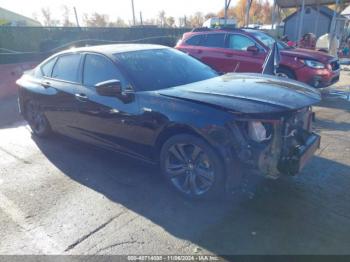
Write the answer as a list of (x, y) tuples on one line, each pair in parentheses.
[(37, 120), (286, 73), (192, 167)]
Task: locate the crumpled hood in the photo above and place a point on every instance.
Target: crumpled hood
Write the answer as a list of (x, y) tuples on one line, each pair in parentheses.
[(308, 54), (247, 93)]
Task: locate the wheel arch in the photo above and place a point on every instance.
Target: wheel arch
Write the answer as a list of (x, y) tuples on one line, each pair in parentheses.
[(23, 107), (178, 129), (170, 131), (287, 68), (231, 168)]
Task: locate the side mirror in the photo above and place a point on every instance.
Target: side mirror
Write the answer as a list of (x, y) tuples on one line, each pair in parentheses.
[(109, 88), (253, 49)]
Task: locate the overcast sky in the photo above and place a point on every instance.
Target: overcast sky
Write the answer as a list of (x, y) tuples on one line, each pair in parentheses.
[(115, 8)]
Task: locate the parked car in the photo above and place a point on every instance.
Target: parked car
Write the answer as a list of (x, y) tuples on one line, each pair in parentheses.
[(159, 105), (244, 50)]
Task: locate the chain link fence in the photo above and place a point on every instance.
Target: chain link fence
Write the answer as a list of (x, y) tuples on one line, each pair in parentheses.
[(20, 44)]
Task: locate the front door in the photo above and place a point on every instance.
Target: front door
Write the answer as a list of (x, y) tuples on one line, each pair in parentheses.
[(108, 121), (239, 59)]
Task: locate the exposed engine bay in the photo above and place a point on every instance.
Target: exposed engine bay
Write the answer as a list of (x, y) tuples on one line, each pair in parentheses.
[(277, 146)]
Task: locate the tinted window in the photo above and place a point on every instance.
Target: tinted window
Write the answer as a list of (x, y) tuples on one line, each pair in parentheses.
[(194, 40), (46, 69), (240, 42), (163, 68), (214, 40), (267, 39), (98, 69), (66, 68)]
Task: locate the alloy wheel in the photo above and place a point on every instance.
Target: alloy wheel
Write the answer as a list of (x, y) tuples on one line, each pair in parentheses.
[(190, 169)]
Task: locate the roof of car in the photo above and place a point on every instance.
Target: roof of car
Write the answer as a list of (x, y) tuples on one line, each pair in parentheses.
[(252, 30), (204, 30), (212, 30), (115, 48)]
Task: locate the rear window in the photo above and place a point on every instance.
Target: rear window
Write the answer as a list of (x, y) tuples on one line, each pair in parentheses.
[(214, 40), (46, 69), (66, 68), (195, 40)]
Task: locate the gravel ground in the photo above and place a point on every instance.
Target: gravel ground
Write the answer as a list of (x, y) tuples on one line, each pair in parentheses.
[(63, 197)]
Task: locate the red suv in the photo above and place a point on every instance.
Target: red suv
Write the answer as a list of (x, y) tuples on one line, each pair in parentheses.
[(244, 50)]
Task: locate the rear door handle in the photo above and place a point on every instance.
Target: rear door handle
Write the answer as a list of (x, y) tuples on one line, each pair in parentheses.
[(46, 84), (81, 97), (199, 51), (229, 55)]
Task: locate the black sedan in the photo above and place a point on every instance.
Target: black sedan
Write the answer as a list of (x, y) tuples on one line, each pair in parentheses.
[(159, 105)]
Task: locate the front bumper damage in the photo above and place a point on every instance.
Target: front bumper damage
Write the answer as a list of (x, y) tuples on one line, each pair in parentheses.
[(301, 155), (291, 146), (322, 81)]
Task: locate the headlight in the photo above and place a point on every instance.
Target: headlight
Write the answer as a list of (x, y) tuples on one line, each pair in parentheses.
[(313, 64), (257, 131)]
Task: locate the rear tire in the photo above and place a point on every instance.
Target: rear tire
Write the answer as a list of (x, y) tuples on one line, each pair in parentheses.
[(37, 120), (192, 167)]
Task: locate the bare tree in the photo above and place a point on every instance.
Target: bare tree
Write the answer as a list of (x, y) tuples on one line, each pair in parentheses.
[(46, 13), (48, 21), (118, 23), (161, 17), (259, 11), (96, 20), (184, 22), (66, 14), (150, 21), (197, 20)]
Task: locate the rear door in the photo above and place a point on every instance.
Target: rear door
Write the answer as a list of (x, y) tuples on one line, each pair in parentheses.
[(208, 48), (213, 51), (192, 46), (62, 84), (241, 59)]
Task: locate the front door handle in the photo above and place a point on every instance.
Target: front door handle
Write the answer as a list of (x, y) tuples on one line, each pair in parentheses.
[(46, 84), (81, 97), (229, 55)]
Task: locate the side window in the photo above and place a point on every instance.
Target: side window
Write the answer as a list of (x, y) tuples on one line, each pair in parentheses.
[(67, 67), (214, 40), (46, 69), (194, 40), (240, 42), (98, 69)]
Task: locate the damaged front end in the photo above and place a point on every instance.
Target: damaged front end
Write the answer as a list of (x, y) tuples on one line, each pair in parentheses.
[(277, 145)]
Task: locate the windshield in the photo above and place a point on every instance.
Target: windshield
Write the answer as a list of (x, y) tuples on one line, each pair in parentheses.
[(267, 39), (162, 68)]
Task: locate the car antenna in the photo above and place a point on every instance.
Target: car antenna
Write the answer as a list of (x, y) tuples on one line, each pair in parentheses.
[(237, 65)]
